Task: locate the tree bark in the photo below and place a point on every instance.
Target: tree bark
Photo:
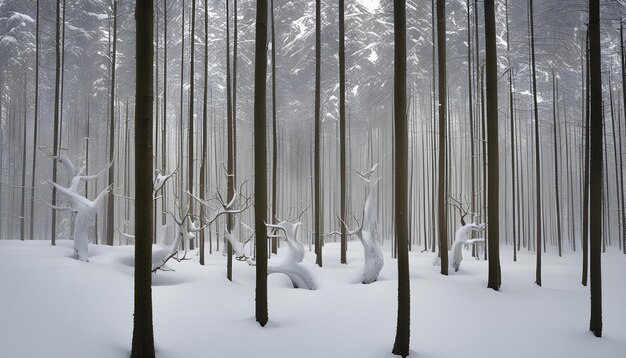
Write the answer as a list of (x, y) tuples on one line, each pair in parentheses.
[(204, 123), (274, 133), (230, 153), (493, 208), (317, 130), (401, 344), (111, 198), (595, 197), (143, 337), (342, 131), (57, 88), (441, 52), (35, 130), (537, 153), (555, 103), (260, 162)]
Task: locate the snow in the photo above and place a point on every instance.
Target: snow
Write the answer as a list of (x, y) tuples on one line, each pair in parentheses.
[(55, 306)]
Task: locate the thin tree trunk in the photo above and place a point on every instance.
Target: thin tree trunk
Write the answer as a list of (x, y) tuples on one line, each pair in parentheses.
[(111, 198), (586, 175), (555, 103), (190, 128), (57, 93), (342, 131), (23, 203), (274, 133), (317, 130), (204, 123), (230, 152), (471, 110), (623, 58), (164, 105), (35, 130), (260, 161), (595, 197), (441, 52), (537, 153)]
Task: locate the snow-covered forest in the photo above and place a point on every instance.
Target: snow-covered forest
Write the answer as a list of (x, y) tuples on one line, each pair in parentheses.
[(308, 178)]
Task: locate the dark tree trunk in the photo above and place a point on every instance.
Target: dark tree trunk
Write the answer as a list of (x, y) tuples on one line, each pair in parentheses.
[(274, 134), (342, 130), (401, 344), (164, 105), (555, 103), (230, 153), (204, 123), (623, 58), (441, 52), (317, 119), (190, 127), (493, 208), (35, 130), (260, 161), (595, 195), (585, 244), (471, 110), (110, 200), (537, 153), (143, 337), (57, 93), (512, 124), (23, 202)]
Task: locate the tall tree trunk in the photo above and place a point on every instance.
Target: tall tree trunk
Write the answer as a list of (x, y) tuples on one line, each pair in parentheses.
[(235, 48), (190, 128), (57, 93), (110, 201), (317, 130), (342, 130), (204, 122), (493, 208), (595, 195), (401, 343), (35, 130), (585, 243), (537, 153), (623, 58), (260, 161), (274, 133), (555, 103), (230, 153), (164, 105), (143, 337), (512, 124), (182, 104), (441, 52), (471, 109), (23, 202)]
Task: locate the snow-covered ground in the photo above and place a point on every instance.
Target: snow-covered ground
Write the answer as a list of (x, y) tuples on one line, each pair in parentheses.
[(54, 306)]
